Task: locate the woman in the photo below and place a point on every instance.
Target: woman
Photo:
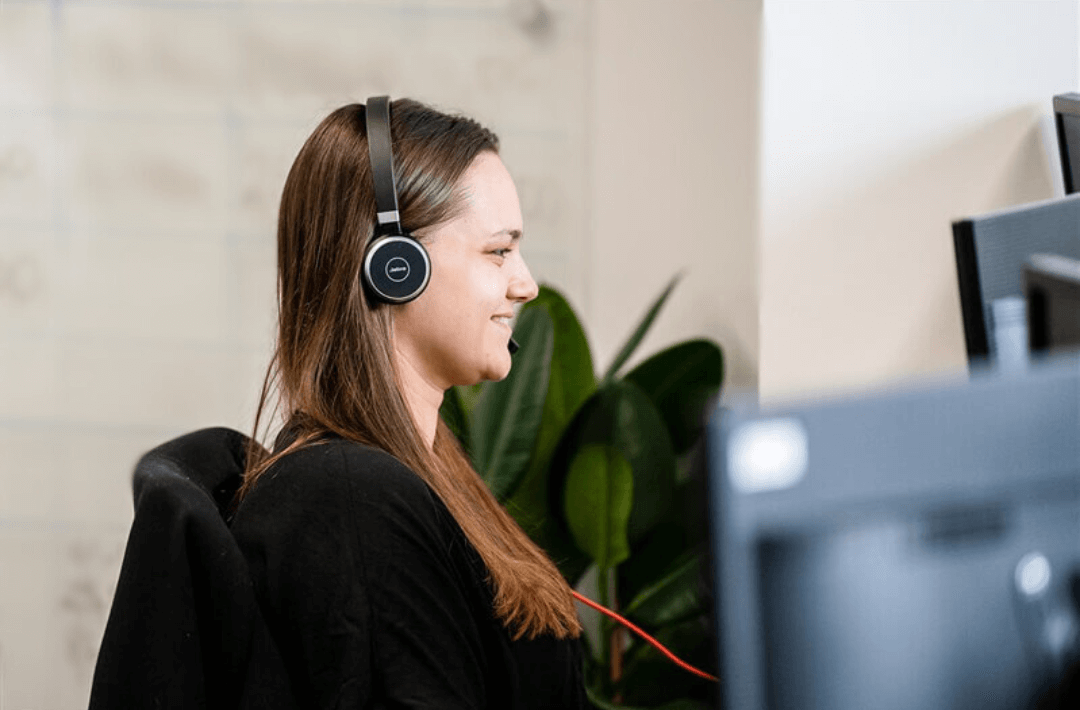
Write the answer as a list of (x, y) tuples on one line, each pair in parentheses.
[(388, 574)]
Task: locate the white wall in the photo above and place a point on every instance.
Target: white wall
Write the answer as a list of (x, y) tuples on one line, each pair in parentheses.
[(674, 175), (881, 123)]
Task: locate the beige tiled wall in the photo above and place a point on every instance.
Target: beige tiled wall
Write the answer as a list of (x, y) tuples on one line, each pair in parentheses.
[(142, 151)]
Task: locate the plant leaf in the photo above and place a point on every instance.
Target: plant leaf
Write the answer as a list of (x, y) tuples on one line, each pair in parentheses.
[(601, 703), (468, 394), (538, 505), (604, 704), (620, 415), (572, 379), (680, 704), (681, 381), (672, 598), (638, 433), (651, 680), (639, 332), (506, 418), (683, 530), (570, 382), (598, 497)]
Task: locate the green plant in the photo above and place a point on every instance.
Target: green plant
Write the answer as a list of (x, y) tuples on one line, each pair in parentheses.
[(598, 471)]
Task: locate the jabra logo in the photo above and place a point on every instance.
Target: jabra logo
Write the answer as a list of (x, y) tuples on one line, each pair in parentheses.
[(397, 269)]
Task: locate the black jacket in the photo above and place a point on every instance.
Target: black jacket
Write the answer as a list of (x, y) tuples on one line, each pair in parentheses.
[(185, 629)]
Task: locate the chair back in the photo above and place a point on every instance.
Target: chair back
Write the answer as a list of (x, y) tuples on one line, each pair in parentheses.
[(185, 629)]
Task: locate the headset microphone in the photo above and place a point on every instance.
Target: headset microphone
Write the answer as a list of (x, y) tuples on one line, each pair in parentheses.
[(512, 346), (396, 266)]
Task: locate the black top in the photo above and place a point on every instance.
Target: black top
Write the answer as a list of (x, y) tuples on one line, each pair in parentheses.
[(376, 598)]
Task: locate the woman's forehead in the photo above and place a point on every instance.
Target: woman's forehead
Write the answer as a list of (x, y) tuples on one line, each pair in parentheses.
[(490, 199)]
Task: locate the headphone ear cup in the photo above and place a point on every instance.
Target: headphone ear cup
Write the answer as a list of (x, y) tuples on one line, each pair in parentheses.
[(396, 269)]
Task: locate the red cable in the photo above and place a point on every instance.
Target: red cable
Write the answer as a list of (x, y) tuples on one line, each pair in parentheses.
[(656, 644)]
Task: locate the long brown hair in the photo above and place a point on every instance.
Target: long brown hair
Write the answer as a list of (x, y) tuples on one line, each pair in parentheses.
[(333, 368)]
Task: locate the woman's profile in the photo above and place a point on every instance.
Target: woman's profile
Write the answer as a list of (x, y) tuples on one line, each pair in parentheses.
[(387, 573)]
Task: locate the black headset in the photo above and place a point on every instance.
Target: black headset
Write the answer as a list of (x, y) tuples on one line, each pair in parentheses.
[(396, 266)]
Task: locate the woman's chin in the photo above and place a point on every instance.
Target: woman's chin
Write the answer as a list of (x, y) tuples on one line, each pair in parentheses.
[(491, 373), (497, 376), (498, 370)]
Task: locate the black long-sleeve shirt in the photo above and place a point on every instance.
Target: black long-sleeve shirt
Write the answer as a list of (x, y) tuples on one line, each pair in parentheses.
[(376, 598)]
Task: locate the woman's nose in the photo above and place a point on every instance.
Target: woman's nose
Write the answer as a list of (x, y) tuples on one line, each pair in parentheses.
[(523, 287)]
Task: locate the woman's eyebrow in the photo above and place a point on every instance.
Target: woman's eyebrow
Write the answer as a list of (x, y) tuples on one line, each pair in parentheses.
[(515, 234)]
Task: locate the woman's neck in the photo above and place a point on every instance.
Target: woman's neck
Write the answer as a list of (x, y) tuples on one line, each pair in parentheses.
[(422, 396)]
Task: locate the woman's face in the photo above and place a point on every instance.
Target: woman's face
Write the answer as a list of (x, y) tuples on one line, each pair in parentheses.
[(456, 332)]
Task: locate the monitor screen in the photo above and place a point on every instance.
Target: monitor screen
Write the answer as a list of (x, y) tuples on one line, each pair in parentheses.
[(1067, 122), (1052, 285), (905, 550), (991, 251)]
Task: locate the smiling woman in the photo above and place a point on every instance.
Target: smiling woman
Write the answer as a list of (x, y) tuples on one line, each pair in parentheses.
[(388, 573)]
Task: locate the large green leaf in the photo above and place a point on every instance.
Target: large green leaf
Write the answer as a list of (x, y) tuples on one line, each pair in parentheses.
[(598, 497), (673, 597), (681, 381), (570, 382), (621, 415), (627, 419), (507, 414), (537, 505), (683, 530), (643, 327)]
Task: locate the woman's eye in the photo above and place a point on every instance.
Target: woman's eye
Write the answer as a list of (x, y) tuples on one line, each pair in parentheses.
[(500, 252)]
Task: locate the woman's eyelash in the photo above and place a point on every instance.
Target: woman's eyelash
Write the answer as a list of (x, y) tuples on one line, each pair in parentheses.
[(501, 252)]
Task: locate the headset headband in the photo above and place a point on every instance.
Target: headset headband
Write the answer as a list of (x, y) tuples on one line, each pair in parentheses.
[(377, 117)]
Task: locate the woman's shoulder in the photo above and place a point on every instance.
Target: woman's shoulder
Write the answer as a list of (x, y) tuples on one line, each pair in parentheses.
[(339, 473), (344, 505)]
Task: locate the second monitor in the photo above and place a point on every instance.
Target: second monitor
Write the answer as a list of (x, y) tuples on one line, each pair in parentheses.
[(991, 251)]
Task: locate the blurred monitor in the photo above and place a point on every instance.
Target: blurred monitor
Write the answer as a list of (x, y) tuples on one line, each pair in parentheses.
[(1067, 122), (1052, 285), (898, 551), (991, 251)]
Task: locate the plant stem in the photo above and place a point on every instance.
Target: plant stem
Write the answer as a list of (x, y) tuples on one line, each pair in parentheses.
[(610, 632), (616, 641), (602, 587)]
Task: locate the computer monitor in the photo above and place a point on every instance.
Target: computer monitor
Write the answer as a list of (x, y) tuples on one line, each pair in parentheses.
[(903, 550), (991, 250), (1052, 285), (1067, 122)]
